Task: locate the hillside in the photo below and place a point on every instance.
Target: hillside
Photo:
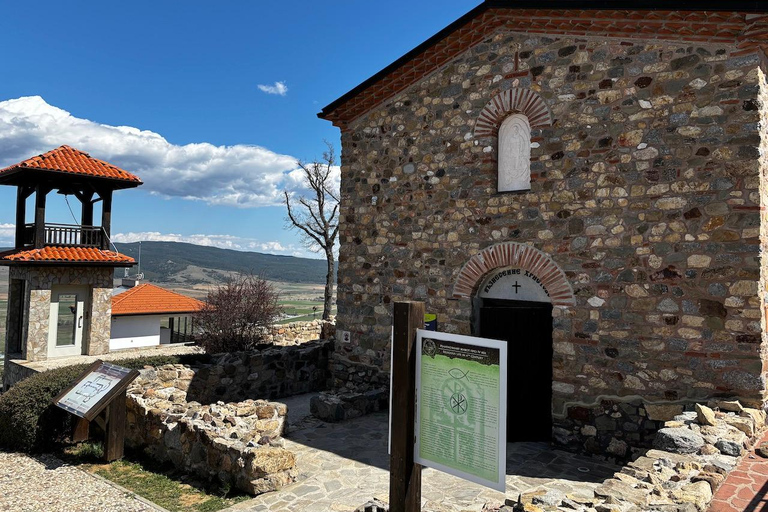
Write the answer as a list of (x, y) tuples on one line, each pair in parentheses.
[(174, 261)]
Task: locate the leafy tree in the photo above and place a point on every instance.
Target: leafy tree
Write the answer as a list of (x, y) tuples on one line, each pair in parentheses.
[(316, 216), (236, 313)]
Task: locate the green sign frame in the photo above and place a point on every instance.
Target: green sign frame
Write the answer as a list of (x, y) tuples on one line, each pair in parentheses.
[(461, 406)]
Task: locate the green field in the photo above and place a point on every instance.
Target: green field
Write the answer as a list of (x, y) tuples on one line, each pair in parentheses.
[(302, 310)]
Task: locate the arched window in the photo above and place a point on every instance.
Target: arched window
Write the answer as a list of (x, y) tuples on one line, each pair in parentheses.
[(514, 154)]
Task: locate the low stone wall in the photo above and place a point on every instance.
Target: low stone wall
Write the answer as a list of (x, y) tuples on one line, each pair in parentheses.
[(618, 429), (363, 389), (13, 373), (213, 420), (335, 407), (295, 333), (237, 444), (692, 455), (273, 372)]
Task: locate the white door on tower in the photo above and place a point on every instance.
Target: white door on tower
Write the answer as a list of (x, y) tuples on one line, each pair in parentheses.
[(65, 332)]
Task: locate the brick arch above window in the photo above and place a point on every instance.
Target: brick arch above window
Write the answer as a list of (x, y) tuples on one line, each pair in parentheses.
[(523, 101), (513, 254)]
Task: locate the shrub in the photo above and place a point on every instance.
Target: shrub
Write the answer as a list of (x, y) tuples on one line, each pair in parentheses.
[(29, 421), (236, 313)]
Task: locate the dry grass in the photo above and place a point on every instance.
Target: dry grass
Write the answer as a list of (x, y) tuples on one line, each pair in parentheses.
[(159, 484)]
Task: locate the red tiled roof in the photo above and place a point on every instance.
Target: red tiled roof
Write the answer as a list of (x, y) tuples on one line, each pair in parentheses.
[(148, 299), (52, 254), (73, 161)]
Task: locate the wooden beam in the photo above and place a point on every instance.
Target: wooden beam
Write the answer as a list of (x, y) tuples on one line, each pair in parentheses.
[(41, 191), (80, 431), (86, 217), (404, 473), (114, 438), (106, 217), (21, 216)]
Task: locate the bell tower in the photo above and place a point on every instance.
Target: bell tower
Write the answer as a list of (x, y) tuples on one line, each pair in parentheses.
[(61, 275)]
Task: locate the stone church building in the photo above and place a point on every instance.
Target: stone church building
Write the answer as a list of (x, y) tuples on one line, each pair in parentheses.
[(585, 183)]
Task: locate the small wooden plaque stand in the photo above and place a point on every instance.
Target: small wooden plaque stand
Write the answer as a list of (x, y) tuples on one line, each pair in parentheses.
[(111, 402)]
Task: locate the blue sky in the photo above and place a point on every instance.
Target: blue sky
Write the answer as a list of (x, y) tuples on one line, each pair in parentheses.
[(213, 148)]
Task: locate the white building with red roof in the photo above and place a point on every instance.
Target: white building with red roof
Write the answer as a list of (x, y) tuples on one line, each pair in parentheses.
[(148, 315)]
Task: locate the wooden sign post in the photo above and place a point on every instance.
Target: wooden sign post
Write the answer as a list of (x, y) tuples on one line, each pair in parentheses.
[(101, 388), (404, 473)]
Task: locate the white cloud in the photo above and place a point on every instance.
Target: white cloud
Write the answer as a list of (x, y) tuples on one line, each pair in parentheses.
[(279, 88), (240, 175), (221, 241), (276, 247), (7, 235)]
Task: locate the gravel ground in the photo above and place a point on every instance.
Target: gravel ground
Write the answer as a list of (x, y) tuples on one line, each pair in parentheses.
[(47, 484)]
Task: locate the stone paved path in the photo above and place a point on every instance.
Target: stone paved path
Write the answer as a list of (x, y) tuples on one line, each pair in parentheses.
[(746, 487), (46, 484), (344, 465)]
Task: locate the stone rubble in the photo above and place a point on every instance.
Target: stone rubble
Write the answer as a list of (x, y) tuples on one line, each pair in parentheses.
[(692, 455), (237, 444)]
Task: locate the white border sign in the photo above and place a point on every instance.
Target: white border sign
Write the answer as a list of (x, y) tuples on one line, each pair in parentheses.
[(461, 406)]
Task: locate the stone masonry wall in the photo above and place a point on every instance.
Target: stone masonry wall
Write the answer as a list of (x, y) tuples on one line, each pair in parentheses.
[(237, 444), (214, 420), (270, 373), (37, 303), (294, 333), (645, 191), (763, 284)]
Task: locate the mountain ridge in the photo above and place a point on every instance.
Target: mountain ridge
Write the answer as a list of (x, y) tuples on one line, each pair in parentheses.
[(162, 260)]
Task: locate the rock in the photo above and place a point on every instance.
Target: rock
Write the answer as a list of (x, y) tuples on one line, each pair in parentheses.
[(662, 412), (746, 425), (551, 498), (268, 460), (686, 417), (705, 415), (678, 440), (713, 479), (697, 493), (246, 410), (725, 405), (708, 449), (757, 416), (762, 450), (607, 508), (612, 488), (728, 447), (617, 448)]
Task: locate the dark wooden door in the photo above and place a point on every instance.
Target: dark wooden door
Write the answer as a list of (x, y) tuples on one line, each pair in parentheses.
[(527, 329)]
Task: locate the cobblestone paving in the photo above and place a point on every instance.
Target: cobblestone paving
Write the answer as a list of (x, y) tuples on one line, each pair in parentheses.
[(46, 484), (746, 487), (344, 465)]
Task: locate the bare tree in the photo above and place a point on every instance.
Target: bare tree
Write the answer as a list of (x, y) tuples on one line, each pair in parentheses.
[(236, 314), (316, 216)]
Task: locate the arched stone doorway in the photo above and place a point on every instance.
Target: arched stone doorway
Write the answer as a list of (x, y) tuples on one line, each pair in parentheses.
[(513, 289)]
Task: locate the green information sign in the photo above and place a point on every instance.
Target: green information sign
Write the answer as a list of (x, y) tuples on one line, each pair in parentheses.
[(461, 399)]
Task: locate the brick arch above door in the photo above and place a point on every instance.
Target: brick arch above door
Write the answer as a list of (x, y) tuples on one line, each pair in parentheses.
[(513, 254)]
